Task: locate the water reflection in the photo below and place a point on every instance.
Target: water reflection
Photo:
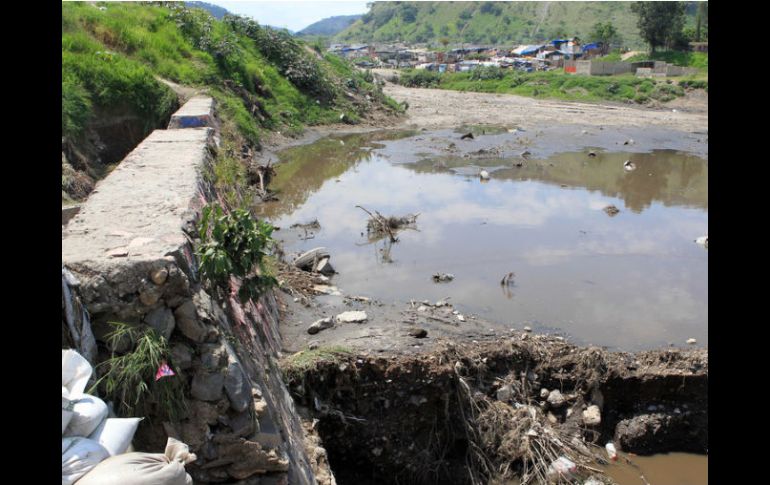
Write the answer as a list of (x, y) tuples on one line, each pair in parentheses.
[(634, 280)]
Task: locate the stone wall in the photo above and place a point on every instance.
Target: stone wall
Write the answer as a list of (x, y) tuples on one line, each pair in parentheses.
[(128, 256)]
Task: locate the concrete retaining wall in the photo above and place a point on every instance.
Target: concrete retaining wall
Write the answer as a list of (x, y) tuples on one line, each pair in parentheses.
[(128, 256)]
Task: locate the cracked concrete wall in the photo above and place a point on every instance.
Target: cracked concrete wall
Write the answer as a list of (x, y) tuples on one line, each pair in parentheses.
[(128, 256)]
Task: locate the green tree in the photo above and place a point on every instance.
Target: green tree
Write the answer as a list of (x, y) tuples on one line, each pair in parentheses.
[(607, 34), (702, 21), (660, 23)]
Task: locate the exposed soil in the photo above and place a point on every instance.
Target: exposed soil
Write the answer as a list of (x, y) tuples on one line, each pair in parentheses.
[(432, 108), (450, 415)]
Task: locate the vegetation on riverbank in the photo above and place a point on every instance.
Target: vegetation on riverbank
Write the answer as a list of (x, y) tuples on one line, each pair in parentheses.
[(114, 56), (553, 84)]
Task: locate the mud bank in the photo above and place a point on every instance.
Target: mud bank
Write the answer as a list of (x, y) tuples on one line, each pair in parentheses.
[(479, 412)]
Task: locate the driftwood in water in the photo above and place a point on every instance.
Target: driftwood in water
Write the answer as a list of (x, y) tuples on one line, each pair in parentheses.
[(381, 225)]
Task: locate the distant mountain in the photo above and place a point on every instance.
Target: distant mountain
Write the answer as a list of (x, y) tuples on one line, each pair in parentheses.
[(329, 26), (215, 11), (489, 22)]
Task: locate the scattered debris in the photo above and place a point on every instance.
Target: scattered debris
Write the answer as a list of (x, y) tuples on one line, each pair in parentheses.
[(507, 279), (527, 329), (629, 166), (525, 154), (591, 153), (703, 241), (611, 210), (378, 225), (324, 267), (314, 224), (484, 175), (461, 318), (611, 451), (351, 317), (630, 141), (418, 333), (442, 277), (692, 341), (321, 324), (467, 136), (327, 290)]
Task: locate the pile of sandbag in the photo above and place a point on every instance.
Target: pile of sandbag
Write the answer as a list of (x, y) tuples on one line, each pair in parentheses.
[(94, 445)]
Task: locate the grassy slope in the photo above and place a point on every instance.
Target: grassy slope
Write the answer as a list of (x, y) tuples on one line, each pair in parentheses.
[(111, 58), (517, 22)]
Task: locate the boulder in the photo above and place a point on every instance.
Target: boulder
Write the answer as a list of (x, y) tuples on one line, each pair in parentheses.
[(556, 399), (162, 320), (207, 386), (237, 387), (186, 317), (351, 317), (321, 324)]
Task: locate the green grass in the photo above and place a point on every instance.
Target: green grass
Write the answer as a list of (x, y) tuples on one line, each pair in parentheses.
[(295, 366), (685, 59), (553, 84), (129, 379), (111, 58)]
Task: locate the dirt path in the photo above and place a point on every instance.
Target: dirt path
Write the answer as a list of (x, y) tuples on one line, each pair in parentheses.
[(438, 108)]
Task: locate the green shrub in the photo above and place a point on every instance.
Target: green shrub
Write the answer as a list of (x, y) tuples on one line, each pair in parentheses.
[(234, 244), (484, 73), (129, 379), (419, 78)]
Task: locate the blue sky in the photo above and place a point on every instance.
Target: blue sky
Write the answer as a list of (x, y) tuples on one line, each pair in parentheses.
[(292, 15)]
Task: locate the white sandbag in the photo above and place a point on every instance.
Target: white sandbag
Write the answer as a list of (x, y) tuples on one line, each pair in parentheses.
[(75, 371), (78, 457), (144, 468), (88, 414), (66, 409), (115, 434)]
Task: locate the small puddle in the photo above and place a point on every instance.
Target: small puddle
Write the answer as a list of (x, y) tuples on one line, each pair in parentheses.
[(635, 280), (663, 469)]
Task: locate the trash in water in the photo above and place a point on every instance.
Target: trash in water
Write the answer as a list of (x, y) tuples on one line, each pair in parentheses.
[(443, 277), (629, 166), (611, 451)]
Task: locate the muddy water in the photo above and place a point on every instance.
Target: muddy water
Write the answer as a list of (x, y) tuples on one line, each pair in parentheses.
[(668, 469), (635, 280)]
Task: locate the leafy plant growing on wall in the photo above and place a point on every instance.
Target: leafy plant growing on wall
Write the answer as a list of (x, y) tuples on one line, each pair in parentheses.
[(234, 244)]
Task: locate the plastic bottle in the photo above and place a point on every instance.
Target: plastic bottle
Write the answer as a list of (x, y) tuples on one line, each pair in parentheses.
[(611, 451)]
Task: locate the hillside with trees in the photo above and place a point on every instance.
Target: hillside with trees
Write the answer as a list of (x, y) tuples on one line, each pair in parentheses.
[(329, 26), (493, 22)]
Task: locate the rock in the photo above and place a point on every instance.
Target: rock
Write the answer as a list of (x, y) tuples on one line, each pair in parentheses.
[(467, 136), (186, 316), (181, 356), (351, 317), (203, 411), (556, 399), (544, 393), (260, 407), (484, 175), (592, 153), (237, 387), (505, 393), (629, 166), (324, 267), (422, 308), (213, 357), (443, 277), (592, 416), (243, 424), (159, 276), (312, 345), (149, 296), (305, 260), (552, 418), (461, 318), (162, 320), (692, 341), (527, 329), (611, 210), (703, 241), (418, 333), (655, 433), (207, 386), (321, 324)]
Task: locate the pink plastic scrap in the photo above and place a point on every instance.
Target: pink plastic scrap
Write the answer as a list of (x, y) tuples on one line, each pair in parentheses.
[(163, 371)]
